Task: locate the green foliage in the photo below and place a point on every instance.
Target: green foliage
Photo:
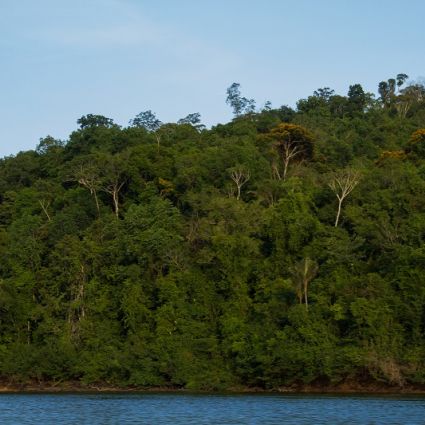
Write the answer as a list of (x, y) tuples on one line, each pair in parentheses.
[(174, 255)]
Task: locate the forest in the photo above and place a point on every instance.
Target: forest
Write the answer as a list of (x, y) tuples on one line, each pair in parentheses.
[(285, 247)]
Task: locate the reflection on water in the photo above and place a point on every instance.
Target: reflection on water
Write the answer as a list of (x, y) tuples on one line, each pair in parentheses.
[(208, 409)]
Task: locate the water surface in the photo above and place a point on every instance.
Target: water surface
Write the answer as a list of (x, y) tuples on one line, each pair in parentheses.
[(190, 409)]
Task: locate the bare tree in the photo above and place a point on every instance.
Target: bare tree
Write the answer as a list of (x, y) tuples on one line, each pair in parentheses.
[(302, 274), (44, 204), (342, 184), (113, 188), (240, 176), (288, 152), (114, 177), (88, 176), (46, 194)]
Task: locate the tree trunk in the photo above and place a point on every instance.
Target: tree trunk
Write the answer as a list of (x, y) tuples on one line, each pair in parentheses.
[(305, 294), (97, 203), (44, 208), (338, 213), (116, 205), (239, 192), (285, 168)]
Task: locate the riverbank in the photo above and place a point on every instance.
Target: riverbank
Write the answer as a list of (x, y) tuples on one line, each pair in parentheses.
[(341, 388)]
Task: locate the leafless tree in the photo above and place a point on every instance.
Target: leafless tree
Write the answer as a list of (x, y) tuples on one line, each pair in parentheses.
[(113, 188), (113, 178), (342, 184), (289, 151), (88, 176), (44, 206), (46, 194), (240, 176)]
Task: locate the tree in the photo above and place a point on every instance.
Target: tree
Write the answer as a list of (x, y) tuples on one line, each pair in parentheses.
[(302, 274), (48, 144), (193, 120), (319, 102), (324, 93), (192, 288), (291, 143), (149, 122), (240, 105), (416, 144), (267, 106), (384, 92), (416, 92), (240, 176), (46, 192), (356, 98), (88, 175), (342, 184), (146, 120), (401, 78), (91, 121), (392, 86), (113, 178), (387, 89), (413, 94)]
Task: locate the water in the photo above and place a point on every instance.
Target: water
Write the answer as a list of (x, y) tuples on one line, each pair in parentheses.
[(187, 409)]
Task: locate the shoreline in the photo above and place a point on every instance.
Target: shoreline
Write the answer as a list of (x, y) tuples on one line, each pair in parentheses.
[(342, 389)]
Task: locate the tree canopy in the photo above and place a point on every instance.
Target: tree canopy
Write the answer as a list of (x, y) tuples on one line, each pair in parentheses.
[(283, 247)]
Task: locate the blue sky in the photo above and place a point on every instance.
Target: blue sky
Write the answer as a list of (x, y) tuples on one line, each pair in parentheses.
[(61, 59)]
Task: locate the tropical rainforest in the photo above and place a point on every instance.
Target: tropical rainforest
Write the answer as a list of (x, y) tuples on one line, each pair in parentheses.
[(284, 247)]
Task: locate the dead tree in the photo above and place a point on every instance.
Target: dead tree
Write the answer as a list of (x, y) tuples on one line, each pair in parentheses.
[(44, 206), (113, 175), (88, 176), (114, 188), (239, 176), (289, 151), (342, 184)]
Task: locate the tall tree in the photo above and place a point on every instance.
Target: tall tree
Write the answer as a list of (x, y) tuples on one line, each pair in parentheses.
[(149, 122), (91, 120), (290, 142), (240, 177), (342, 184), (146, 120), (240, 105), (114, 176), (324, 93), (87, 174), (192, 119), (401, 79), (356, 98)]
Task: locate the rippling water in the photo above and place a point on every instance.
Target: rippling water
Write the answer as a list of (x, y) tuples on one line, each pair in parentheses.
[(189, 409)]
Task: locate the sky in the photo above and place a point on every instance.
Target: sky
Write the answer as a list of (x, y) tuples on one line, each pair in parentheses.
[(61, 59)]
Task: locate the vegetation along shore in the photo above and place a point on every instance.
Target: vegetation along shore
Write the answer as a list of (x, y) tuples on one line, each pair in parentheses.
[(281, 251)]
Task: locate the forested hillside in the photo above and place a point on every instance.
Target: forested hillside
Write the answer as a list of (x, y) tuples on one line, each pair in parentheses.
[(286, 246)]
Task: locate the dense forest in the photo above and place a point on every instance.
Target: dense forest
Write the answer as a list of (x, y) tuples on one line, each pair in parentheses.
[(284, 247)]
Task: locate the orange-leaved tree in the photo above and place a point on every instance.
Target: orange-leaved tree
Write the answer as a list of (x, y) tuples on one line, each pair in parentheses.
[(290, 143), (416, 144)]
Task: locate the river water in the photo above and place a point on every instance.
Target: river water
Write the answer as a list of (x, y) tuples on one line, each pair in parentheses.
[(190, 409)]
